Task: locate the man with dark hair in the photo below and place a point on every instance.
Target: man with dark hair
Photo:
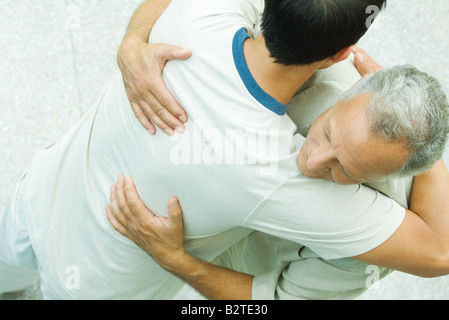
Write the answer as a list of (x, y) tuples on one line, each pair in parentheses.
[(307, 31), (296, 32)]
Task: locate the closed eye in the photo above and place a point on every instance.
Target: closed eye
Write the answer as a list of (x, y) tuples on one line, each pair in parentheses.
[(328, 134)]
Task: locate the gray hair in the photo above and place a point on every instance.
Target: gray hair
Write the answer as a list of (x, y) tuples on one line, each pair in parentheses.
[(409, 106)]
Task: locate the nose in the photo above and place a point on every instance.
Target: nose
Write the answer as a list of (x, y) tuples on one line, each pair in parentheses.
[(320, 161)]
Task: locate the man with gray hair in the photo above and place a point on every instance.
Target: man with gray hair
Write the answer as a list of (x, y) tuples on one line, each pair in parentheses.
[(408, 105), (405, 108)]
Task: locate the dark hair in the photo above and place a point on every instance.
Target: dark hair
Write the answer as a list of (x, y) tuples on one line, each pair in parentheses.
[(299, 32)]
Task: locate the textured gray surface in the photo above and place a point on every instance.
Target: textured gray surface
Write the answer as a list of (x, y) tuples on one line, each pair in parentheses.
[(57, 56)]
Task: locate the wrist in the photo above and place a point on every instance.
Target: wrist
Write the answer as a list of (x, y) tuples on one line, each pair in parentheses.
[(130, 43), (129, 49), (188, 268), (179, 261)]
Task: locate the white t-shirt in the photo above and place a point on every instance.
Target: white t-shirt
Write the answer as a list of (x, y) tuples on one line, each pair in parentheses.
[(225, 187)]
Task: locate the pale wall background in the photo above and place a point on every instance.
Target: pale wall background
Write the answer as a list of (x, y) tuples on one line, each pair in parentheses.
[(53, 68)]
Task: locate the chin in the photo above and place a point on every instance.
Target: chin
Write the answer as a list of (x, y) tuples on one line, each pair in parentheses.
[(305, 172)]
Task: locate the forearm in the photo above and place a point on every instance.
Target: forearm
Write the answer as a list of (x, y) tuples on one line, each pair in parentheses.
[(144, 19), (420, 245), (214, 282)]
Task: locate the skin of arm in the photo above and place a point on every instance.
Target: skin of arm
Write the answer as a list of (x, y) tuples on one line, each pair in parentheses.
[(144, 19), (214, 282), (141, 65), (420, 246)]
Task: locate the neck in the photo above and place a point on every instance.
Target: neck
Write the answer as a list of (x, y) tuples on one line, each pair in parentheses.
[(279, 81)]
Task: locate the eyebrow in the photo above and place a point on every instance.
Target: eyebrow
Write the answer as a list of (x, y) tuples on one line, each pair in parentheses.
[(327, 133)]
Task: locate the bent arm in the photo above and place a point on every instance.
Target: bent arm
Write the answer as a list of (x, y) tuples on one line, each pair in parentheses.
[(420, 246), (141, 65)]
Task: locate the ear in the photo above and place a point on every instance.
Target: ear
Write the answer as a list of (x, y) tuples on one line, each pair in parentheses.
[(343, 54)]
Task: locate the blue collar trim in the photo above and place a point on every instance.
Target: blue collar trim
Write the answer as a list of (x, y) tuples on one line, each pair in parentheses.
[(250, 83)]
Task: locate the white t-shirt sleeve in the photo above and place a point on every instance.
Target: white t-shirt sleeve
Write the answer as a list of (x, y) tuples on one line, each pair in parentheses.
[(333, 221), (251, 11)]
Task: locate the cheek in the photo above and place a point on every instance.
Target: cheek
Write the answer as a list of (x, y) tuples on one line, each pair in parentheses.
[(315, 135)]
